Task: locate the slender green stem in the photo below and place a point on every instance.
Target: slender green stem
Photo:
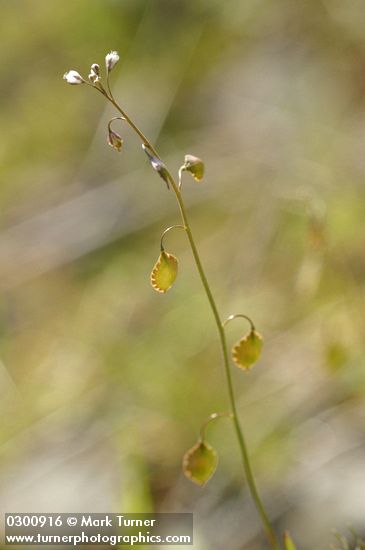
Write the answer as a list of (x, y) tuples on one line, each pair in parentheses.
[(241, 440)]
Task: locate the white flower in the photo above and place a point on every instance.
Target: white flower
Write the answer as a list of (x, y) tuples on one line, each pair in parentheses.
[(73, 77), (111, 59)]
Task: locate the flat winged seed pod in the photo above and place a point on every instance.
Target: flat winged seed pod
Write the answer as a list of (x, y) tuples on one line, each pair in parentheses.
[(164, 273), (195, 166), (200, 463), (288, 542), (248, 350)]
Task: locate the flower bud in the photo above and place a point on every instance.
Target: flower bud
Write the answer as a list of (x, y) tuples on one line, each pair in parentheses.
[(195, 166), (161, 169), (111, 59), (114, 140), (94, 76), (200, 462), (157, 165), (95, 68), (73, 77), (164, 272), (248, 350)]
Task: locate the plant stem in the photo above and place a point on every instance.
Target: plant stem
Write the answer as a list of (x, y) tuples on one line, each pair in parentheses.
[(271, 535)]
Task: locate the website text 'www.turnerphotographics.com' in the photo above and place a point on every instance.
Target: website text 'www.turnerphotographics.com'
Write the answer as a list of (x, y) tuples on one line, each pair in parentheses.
[(98, 529)]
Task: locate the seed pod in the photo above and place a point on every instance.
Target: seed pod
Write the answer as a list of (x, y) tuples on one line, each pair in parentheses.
[(114, 140), (288, 542), (195, 166), (200, 462), (164, 273), (248, 350)]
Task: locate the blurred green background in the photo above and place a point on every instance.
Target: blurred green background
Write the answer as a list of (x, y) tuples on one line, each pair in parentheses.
[(104, 383)]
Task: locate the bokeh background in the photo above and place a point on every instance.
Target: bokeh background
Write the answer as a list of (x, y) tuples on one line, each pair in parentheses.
[(104, 383)]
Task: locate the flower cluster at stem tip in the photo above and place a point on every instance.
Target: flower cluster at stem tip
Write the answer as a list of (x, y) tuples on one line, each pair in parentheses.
[(73, 77)]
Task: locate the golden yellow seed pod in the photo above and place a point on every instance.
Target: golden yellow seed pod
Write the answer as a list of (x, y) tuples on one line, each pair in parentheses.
[(164, 272), (200, 463), (248, 350), (195, 166)]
